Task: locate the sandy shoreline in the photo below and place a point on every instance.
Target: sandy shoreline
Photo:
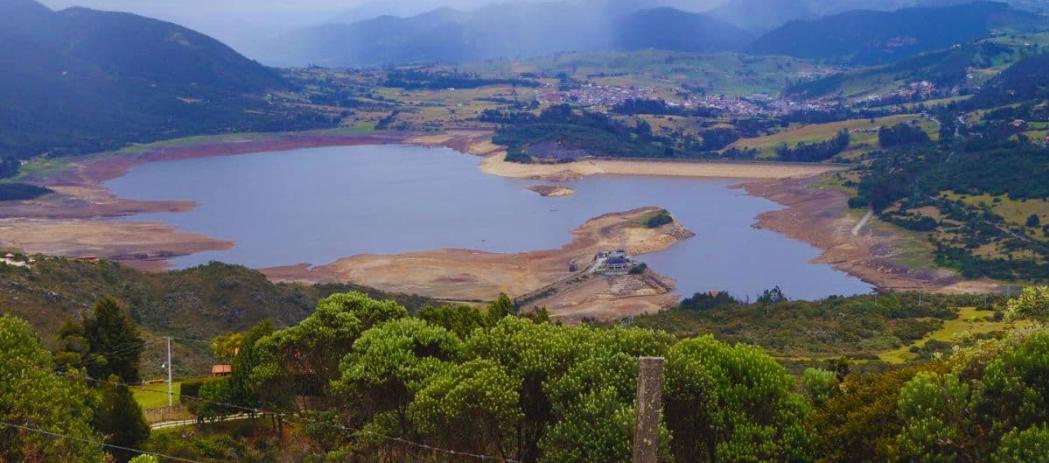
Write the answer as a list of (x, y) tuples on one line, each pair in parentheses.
[(495, 164)]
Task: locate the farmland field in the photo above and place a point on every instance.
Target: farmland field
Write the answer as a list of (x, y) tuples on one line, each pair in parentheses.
[(152, 396), (864, 134)]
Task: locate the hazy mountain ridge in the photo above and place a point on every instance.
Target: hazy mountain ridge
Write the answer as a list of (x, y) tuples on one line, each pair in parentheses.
[(865, 37), (511, 30)]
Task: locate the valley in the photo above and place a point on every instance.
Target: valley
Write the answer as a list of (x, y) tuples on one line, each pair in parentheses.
[(524, 231)]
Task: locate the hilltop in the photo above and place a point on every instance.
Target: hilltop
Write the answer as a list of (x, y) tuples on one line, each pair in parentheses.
[(957, 69), (80, 80), (863, 37)]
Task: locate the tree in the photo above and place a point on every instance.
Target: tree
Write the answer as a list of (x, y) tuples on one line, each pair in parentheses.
[(901, 134), (243, 388), (500, 308), (966, 414), (1028, 446), (33, 394), (936, 417), (555, 365), (390, 363), (1034, 221), (226, 346), (772, 296), (819, 385), (461, 320), (593, 405), (473, 406), (119, 418), (860, 422), (1015, 388), (115, 345), (1033, 302), (74, 349), (316, 346), (732, 403)]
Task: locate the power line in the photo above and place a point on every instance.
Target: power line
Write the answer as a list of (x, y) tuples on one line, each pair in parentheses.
[(261, 411), (94, 442)]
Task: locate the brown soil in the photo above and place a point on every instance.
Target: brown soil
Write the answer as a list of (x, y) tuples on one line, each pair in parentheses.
[(552, 191), (819, 217), (142, 244), (460, 274)]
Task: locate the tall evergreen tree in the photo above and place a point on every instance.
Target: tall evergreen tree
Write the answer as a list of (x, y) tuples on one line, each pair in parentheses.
[(115, 344)]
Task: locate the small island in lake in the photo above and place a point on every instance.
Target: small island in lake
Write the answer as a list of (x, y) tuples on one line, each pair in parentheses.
[(552, 191)]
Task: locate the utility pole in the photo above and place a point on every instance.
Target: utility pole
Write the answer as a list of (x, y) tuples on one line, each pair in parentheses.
[(649, 406), (171, 394)]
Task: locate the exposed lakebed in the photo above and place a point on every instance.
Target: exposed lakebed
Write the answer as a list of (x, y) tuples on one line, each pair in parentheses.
[(316, 205)]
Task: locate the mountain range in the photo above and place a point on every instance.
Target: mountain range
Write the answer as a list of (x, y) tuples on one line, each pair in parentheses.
[(81, 80), (509, 30), (864, 37), (814, 29)]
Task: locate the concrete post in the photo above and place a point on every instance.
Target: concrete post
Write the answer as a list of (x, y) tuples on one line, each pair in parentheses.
[(649, 408)]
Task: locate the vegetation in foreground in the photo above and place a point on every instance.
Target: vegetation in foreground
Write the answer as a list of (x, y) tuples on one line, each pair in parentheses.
[(195, 304), (360, 377)]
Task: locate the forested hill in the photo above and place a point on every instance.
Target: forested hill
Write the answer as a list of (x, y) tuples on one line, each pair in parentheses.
[(948, 68), (81, 80), (501, 31), (196, 303), (871, 37), (1024, 81)]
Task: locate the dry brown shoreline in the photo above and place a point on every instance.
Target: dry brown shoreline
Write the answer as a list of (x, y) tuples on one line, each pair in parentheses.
[(75, 222), (463, 274), (819, 217)]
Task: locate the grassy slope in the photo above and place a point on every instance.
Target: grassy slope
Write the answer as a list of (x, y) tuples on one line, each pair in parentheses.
[(970, 322), (155, 395), (864, 134), (981, 61)]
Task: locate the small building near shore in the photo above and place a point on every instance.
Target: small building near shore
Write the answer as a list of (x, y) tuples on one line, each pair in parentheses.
[(221, 370), (618, 263)]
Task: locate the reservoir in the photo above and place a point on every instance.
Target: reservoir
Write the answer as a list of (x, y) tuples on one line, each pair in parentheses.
[(319, 204)]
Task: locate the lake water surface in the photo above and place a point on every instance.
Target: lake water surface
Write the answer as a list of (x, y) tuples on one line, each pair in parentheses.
[(320, 204)]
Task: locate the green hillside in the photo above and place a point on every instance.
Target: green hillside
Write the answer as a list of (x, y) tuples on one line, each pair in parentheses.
[(872, 37), (80, 80), (194, 304), (1024, 81), (957, 69)]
